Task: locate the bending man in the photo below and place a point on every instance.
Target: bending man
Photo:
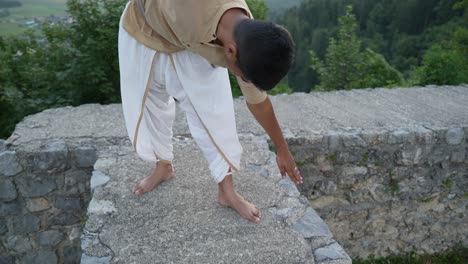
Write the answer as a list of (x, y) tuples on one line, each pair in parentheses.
[(180, 50)]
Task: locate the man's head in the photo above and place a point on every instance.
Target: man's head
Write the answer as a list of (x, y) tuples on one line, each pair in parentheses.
[(262, 52)]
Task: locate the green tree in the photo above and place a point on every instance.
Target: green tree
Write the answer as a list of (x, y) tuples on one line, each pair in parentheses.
[(346, 67), (343, 58), (446, 63)]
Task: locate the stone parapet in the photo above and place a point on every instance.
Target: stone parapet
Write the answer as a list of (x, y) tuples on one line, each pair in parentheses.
[(387, 191)]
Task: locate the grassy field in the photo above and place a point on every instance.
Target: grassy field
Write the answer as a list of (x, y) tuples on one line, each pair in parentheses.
[(29, 9)]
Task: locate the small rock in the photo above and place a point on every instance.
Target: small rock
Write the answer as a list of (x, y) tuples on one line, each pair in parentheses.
[(7, 209), (334, 142), (401, 136), (7, 259), (458, 156), (76, 181), (64, 218), (67, 203), (331, 252), (71, 254), (52, 156), (289, 187), (326, 187), (85, 157), (49, 238), (101, 207), (7, 190), (9, 165), (39, 257), (37, 204), (311, 225), (454, 136), (3, 145), (280, 214), (353, 140), (24, 224), (34, 186), (85, 259), (98, 179), (19, 244), (3, 227)]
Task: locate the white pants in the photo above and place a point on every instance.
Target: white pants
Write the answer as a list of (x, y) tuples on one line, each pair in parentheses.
[(151, 80)]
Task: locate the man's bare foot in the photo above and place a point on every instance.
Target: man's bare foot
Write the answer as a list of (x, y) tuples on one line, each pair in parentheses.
[(235, 201), (228, 196), (162, 172)]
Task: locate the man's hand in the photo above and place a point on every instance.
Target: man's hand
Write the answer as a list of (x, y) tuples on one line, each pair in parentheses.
[(265, 116), (287, 165)]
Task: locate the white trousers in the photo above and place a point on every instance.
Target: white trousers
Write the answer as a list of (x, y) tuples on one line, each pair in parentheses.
[(151, 80)]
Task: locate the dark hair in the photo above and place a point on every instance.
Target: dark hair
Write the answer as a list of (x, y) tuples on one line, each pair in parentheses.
[(265, 52)]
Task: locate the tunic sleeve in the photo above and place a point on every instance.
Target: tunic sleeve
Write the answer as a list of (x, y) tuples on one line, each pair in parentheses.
[(252, 94)]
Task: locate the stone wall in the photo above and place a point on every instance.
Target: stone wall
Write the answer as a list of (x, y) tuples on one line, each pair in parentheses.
[(386, 192), (44, 193)]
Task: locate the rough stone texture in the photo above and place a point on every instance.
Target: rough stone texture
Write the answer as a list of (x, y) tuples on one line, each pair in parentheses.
[(40, 257), (37, 204), (9, 165), (85, 157), (181, 221), (7, 190), (367, 155), (330, 252), (311, 225), (31, 185), (24, 224), (49, 238)]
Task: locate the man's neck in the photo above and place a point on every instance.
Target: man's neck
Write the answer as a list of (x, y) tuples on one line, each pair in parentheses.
[(227, 23)]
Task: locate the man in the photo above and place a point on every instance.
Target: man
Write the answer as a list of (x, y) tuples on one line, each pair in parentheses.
[(180, 49)]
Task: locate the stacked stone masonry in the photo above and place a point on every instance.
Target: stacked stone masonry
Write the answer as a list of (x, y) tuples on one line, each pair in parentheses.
[(389, 191), (44, 193)]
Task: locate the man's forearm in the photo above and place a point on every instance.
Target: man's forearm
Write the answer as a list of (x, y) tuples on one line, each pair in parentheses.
[(265, 115)]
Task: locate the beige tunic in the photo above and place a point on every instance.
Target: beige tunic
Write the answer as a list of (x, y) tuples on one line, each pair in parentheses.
[(175, 25)]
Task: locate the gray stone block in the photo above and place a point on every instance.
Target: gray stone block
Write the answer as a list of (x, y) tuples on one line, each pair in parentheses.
[(40, 257), (330, 252), (24, 224), (98, 179), (37, 204), (85, 157), (353, 140), (52, 156), (7, 190), (49, 238), (67, 203), (326, 187), (85, 259), (34, 185), (3, 227), (458, 156), (19, 244), (401, 136), (72, 254), (311, 225), (455, 136), (64, 218), (9, 165), (334, 141), (289, 187), (76, 182), (7, 259), (11, 208)]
